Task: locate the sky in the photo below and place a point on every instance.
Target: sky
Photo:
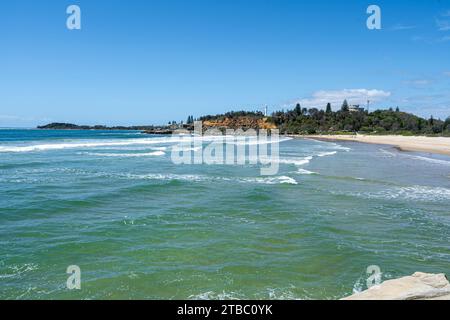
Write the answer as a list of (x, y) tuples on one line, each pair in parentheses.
[(154, 61)]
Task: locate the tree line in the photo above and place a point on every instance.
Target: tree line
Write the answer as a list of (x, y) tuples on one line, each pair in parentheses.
[(345, 120), (310, 121)]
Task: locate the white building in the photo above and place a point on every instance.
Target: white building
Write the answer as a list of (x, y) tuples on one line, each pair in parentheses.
[(355, 108)]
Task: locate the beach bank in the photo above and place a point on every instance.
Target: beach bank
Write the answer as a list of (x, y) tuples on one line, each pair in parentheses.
[(439, 145)]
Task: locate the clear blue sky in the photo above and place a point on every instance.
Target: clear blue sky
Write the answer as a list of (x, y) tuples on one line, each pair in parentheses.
[(152, 61)]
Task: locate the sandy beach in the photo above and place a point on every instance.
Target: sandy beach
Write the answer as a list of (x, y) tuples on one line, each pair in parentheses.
[(439, 145)]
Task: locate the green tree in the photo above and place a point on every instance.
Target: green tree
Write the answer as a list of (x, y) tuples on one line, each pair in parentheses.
[(298, 109), (328, 108), (345, 107)]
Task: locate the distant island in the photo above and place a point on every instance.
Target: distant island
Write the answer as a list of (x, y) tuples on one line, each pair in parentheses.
[(70, 126), (300, 121)]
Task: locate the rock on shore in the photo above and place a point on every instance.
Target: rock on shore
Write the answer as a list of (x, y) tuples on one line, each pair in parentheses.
[(419, 286)]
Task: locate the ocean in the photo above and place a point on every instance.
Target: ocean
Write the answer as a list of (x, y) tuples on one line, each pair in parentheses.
[(141, 227)]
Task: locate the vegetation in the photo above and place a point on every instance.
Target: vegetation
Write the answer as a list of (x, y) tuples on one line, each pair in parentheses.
[(233, 115), (309, 121), (314, 121), (70, 126)]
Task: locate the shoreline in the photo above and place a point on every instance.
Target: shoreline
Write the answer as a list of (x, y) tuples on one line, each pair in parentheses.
[(437, 145)]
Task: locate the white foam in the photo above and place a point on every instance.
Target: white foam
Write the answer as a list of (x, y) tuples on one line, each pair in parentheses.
[(279, 180), (255, 141), (126, 155), (387, 153), (431, 160), (326, 154), (159, 148), (178, 149), (305, 172), (128, 142), (296, 161), (339, 147), (418, 193), (211, 295), (19, 270), (202, 178)]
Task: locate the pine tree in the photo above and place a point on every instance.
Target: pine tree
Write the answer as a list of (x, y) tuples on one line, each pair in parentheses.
[(345, 107), (298, 109), (328, 107)]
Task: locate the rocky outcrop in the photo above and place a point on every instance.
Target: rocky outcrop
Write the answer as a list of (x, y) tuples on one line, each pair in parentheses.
[(419, 286), (240, 123)]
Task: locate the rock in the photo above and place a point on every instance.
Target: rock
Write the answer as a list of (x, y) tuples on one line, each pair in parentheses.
[(419, 286)]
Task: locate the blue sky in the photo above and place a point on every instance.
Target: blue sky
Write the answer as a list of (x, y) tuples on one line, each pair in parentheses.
[(153, 61)]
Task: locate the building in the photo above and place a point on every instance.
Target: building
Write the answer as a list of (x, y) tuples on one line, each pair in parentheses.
[(355, 108)]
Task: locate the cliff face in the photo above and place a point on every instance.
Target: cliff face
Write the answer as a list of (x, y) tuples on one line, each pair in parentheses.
[(240, 123)]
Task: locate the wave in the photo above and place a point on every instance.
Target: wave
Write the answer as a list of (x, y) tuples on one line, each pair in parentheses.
[(159, 148), (202, 178), (431, 160), (19, 270), (255, 141), (178, 149), (211, 295), (326, 154), (339, 147), (267, 293), (125, 155), (296, 161), (277, 180), (306, 172), (120, 133), (416, 193), (128, 142)]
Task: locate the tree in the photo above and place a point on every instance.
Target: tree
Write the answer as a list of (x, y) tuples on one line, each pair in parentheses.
[(345, 107), (328, 108), (298, 109), (431, 121), (397, 110), (190, 120), (447, 123)]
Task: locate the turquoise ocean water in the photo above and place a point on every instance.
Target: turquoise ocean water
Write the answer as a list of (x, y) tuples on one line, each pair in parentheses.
[(141, 227)]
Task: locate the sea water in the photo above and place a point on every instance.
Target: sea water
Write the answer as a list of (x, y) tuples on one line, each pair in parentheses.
[(140, 227)]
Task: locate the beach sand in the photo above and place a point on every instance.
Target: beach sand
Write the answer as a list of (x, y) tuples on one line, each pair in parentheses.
[(439, 145)]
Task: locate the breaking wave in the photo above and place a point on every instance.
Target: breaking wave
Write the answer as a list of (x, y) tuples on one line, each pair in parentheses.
[(202, 178), (326, 154), (126, 155), (129, 142), (417, 193), (305, 172), (431, 160)]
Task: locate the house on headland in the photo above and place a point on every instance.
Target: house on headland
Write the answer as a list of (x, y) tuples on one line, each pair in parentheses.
[(355, 108)]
